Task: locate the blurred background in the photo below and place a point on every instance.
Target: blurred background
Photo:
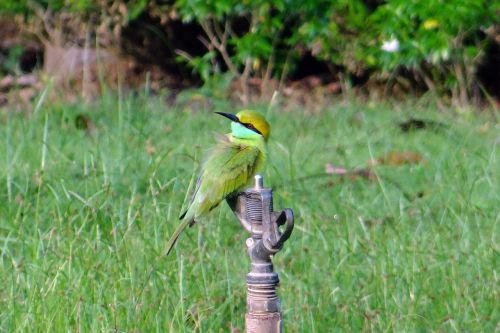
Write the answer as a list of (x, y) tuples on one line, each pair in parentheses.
[(247, 50), (384, 142)]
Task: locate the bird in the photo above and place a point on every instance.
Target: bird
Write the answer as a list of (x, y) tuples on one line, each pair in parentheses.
[(228, 168)]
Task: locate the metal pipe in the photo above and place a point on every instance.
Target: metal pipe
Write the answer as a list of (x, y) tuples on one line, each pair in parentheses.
[(254, 210)]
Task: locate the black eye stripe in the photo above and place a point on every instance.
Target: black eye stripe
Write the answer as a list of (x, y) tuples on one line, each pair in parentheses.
[(251, 127)]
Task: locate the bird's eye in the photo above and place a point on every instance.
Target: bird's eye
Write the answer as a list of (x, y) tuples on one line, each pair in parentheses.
[(252, 127)]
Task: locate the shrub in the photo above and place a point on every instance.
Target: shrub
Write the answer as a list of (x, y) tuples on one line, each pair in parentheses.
[(436, 43), (440, 43)]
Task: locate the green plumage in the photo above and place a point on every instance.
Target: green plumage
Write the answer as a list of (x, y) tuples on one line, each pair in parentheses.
[(229, 168)]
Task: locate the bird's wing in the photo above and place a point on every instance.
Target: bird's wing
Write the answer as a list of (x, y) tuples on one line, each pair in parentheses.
[(228, 168), (210, 157)]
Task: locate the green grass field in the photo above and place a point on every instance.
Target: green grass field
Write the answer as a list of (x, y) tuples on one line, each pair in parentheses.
[(85, 215)]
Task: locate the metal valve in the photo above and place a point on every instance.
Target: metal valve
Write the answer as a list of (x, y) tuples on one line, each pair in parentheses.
[(254, 210)]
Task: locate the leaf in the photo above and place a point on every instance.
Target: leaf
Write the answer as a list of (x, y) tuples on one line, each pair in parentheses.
[(398, 158), (353, 174), (416, 124), (430, 24)]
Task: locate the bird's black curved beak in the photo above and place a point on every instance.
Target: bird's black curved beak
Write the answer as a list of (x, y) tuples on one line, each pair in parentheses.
[(232, 117)]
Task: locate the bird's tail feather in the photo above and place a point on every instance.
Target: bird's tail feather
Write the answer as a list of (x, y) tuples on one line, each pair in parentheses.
[(177, 232)]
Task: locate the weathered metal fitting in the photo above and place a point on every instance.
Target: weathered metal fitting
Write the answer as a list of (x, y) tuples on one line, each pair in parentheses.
[(254, 210), (263, 322), (262, 298), (263, 278)]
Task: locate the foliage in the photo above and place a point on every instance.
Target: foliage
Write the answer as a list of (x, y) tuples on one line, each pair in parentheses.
[(90, 193), (26, 6), (437, 43), (440, 42), (78, 7), (63, 21), (9, 64)]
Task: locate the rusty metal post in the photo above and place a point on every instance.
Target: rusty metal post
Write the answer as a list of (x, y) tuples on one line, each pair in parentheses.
[(254, 210)]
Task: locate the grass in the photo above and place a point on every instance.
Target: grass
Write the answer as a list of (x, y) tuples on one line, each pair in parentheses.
[(90, 194)]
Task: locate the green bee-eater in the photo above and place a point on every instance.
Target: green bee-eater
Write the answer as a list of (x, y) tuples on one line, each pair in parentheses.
[(229, 167)]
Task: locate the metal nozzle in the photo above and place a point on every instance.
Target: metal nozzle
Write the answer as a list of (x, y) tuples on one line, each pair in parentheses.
[(259, 182), (254, 210)]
